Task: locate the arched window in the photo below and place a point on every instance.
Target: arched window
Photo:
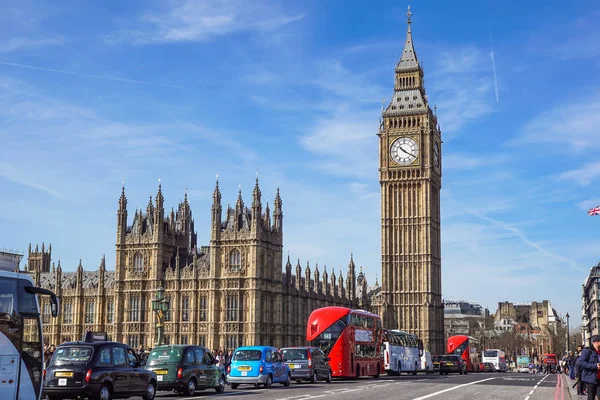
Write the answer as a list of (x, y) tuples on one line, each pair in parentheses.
[(235, 260), (138, 262)]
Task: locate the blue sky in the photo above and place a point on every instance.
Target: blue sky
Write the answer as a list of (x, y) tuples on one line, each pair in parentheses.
[(94, 94)]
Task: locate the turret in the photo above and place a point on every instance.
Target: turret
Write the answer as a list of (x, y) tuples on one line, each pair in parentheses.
[(288, 271), (351, 282), (267, 218), (298, 275), (278, 213), (256, 207), (333, 288), (159, 212), (122, 217), (317, 280), (216, 214), (325, 281), (307, 277)]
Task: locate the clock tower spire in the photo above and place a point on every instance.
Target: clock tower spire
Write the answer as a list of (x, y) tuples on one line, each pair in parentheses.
[(410, 176)]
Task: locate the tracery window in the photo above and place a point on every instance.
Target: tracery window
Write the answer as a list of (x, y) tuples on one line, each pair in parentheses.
[(46, 313), (110, 311), (89, 312), (185, 308), (235, 260), (68, 313), (138, 263), (134, 308), (202, 307), (232, 307)]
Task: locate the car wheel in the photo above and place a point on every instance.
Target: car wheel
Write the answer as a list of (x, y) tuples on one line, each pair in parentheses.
[(221, 385), (191, 387), (104, 393), (150, 391), (287, 381), (269, 382), (328, 379), (235, 385)]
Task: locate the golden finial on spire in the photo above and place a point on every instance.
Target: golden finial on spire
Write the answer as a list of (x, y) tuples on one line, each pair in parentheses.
[(408, 14)]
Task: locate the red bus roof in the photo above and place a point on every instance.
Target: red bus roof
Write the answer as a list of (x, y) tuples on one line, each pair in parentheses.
[(322, 318)]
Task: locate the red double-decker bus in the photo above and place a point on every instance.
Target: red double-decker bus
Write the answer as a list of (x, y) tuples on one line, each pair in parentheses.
[(461, 345), (350, 338)]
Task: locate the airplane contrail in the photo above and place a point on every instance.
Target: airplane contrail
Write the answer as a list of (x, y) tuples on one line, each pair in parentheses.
[(112, 78), (493, 59), (495, 78)]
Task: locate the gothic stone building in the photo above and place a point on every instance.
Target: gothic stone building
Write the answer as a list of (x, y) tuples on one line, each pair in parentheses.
[(233, 292)]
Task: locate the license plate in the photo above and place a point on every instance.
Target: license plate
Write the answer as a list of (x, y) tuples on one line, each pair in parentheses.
[(62, 382), (244, 368), (244, 373), (292, 366), (161, 372), (63, 374), (297, 366), (449, 364), (159, 378)]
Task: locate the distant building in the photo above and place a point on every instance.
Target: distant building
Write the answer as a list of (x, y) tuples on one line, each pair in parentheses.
[(10, 260), (590, 318), (463, 317), (535, 321)]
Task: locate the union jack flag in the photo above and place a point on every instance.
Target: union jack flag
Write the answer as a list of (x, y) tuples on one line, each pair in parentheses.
[(594, 211)]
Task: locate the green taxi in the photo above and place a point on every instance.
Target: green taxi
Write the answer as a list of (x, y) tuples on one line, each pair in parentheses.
[(185, 369)]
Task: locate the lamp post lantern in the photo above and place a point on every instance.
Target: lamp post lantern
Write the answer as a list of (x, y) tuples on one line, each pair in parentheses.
[(568, 336), (160, 306)]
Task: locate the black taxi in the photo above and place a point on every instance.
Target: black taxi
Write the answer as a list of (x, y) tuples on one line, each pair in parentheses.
[(96, 368)]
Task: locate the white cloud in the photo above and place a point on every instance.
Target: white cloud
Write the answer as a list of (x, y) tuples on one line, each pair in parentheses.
[(589, 203), (584, 175), (345, 144), (333, 77), (201, 20), (462, 86), (572, 126), (16, 44)]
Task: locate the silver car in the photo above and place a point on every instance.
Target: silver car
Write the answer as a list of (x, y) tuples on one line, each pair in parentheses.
[(307, 364)]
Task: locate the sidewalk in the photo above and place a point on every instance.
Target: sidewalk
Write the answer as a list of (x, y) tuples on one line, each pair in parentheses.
[(571, 390)]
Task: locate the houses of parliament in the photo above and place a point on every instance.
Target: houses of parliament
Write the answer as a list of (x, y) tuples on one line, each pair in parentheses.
[(233, 292), (236, 291)]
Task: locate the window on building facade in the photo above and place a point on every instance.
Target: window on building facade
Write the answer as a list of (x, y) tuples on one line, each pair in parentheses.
[(185, 308), (134, 308), (232, 310), (231, 341), (167, 340), (133, 341), (110, 311), (235, 260), (89, 312), (202, 308), (46, 313), (184, 339), (138, 262), (68, 313), (142, 309), (202, 341), (168, 313)]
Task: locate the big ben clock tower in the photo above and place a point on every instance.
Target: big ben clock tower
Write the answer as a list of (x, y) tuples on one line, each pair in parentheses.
[(410, 174)]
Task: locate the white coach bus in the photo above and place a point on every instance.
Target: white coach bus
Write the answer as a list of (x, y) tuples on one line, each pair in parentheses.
[(21, 342)]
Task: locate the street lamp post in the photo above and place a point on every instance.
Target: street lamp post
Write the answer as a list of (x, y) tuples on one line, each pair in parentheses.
[(568, 338), (160, 306)]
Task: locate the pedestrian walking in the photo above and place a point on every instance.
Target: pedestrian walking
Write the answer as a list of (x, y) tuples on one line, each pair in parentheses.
[(589, 363)]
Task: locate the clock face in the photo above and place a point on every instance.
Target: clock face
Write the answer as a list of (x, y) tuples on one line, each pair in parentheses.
[(404, 151), (436, 155)]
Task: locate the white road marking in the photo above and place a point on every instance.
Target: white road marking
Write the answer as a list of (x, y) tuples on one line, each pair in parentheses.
[(450, 389), (530, 393), (527, 398), (296, 397)]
